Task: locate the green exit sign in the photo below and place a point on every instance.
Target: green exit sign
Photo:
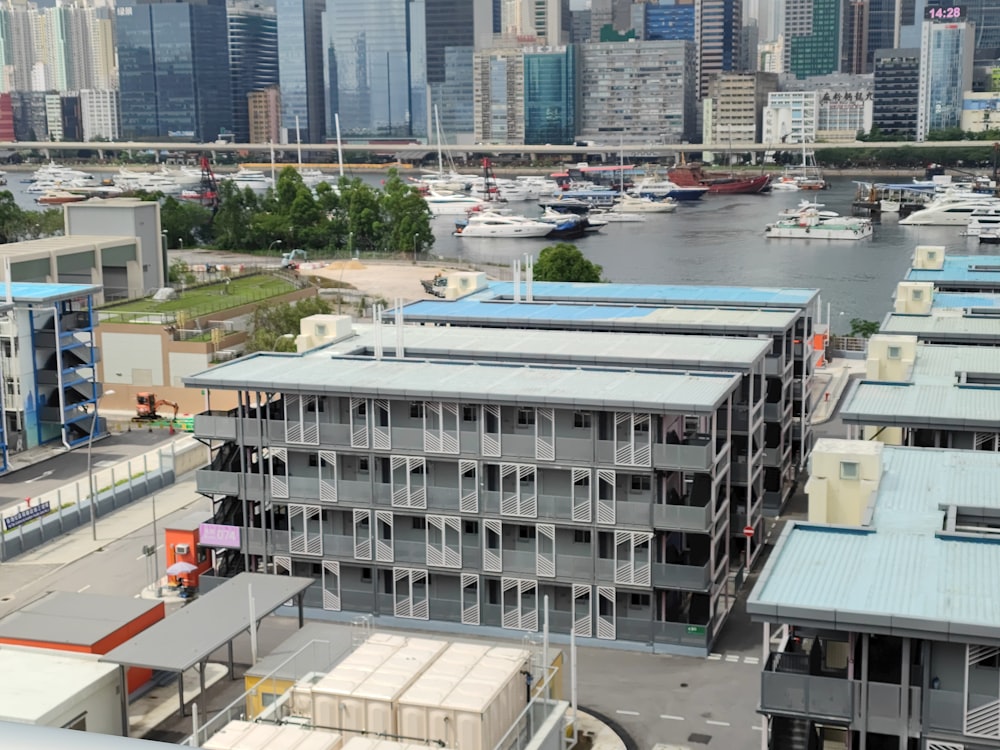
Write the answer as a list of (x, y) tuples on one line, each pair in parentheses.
[(696, 630)]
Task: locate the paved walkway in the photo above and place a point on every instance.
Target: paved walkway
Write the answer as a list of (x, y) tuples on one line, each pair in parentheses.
[(829, 385), (79, 543)]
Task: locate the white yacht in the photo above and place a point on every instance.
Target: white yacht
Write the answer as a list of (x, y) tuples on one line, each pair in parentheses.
[(493, 224), (983, 219), (251, 178), (313, 177), (452, 204), (638, 205), (950, 211)]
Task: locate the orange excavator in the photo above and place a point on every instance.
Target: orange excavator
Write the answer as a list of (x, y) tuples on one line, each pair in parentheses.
[(146, 405)]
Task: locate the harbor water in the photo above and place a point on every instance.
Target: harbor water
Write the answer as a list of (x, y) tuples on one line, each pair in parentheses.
[(720, 240)]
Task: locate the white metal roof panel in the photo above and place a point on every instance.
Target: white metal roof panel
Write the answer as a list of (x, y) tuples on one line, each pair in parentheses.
[(641, 390), (940, 364), (915, 404), (587, 347), (941, 323)]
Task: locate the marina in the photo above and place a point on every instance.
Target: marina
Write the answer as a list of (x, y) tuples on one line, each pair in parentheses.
[(718, 237)]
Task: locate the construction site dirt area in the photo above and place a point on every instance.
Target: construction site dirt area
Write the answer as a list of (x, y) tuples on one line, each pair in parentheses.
[(381, 280)]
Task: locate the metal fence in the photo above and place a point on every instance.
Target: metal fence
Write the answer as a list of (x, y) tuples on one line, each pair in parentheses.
[(848, 344), (70, 506)]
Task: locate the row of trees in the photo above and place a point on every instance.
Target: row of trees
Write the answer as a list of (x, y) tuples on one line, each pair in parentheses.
[(353, 217), (16, 224)]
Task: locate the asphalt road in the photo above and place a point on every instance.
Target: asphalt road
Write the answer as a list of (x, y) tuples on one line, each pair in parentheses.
[(657, 699), (63, 468)]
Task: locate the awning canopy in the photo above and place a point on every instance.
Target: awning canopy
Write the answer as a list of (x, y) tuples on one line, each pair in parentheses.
[(190, 635)]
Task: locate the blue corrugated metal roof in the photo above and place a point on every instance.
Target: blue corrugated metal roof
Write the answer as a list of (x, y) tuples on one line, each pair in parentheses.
[(960, 268), (674, 294), (959, 300), (24, 291), (899, 567), (915, 404)]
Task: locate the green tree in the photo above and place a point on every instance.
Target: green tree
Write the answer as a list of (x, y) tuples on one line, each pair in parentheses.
[(11, 218), (861, 328), (274, 328), (362, 206), (565, 262), (233, 220), (185, 222), (406, 217)]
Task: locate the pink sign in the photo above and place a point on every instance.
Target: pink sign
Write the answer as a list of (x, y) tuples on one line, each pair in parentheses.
[(218, 535)]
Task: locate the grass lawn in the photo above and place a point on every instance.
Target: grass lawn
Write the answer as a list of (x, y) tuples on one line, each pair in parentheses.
[(211, 297)]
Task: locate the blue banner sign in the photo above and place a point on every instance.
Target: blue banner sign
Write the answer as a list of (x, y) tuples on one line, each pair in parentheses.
[(28, 514)]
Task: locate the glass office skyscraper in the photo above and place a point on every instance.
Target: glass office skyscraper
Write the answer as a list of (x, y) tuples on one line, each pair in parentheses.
[(174, 69), (376, 67), (664, 23), (300, 68), (253, 58), (946, 54), (550, 96)]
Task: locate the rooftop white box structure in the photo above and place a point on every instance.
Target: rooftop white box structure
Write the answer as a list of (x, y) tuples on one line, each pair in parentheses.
[(60, 689)]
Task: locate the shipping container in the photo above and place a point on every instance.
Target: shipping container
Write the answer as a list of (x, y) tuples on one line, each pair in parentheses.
[(360, 695), (470, 707), (242, 735), (371, 743)]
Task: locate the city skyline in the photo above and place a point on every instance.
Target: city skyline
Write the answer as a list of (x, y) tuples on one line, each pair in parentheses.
[(208, 68)]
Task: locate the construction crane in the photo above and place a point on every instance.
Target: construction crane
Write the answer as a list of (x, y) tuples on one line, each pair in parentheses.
[(146, 405)]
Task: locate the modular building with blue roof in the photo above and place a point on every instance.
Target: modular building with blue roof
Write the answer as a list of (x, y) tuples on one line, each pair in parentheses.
[(926, 395), (48, 358), (785, 316), (464, 492), (955, 273), (881, 614)]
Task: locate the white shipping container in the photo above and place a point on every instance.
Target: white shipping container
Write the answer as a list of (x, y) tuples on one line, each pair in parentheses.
[(470, 709), (242, 735), (370, 743), (349, 700)]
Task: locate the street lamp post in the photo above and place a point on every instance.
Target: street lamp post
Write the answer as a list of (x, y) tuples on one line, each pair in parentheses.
[(415, 236), (269, 247), (90, 466)]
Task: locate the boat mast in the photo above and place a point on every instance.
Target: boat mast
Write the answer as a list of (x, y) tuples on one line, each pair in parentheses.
[(340, 148), (437, 127), (298, 139)]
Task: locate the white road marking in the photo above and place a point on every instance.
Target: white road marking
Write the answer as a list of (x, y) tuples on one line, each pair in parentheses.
[(714, 657), (627, 713), (102, 464), (80, 591), (671, 717), (717, 723), (757, 729), (732, 658), (751, 659), (40, 476)]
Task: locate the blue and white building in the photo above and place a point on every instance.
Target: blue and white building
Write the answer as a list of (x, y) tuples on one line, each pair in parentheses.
[(47, 360), (880, 626)]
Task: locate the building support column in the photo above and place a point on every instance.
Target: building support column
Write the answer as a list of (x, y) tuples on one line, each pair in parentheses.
[(863, 708), (904, 719), (180, 690)]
